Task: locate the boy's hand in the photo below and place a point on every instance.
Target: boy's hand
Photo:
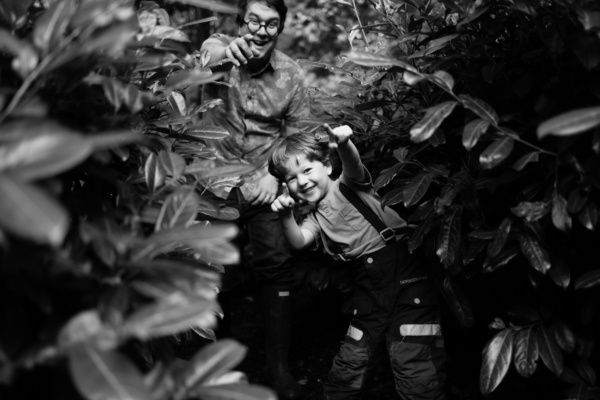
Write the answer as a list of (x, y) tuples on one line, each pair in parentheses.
[(241, 50), (339, 135), (283, 202)]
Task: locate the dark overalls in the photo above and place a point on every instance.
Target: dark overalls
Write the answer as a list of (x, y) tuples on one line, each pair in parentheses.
[(395, 303)]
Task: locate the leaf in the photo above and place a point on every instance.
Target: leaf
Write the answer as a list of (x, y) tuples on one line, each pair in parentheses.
[(172, 163), (570, 123), (105, 375), (207, 132), (560, 217), (500, 237), (411, 78), (177, 103), (526, 352), (14, 11), (535, 254), (35, 150), (421, 231), (576, 201), (213, 360), (433, 118), (588, 280), (216, 251), (52, 24), (394, 196), (238, 391), (479, 107), (207, 105), (526, 159), (170, 316), (549, 350), (168, 32), (201, 171), (179, 209), (215, 6), (588, 217), (373, 60), (532, 211), (564, 336), (473, 131), (496, 360), (185, 78), (29, 212), (416, 189), (496, 152), (458, 303), (205, 333), (444, 78), (154, 173), (560, 273), (586, 370), (450, 237), (387, 175), (493, 263)]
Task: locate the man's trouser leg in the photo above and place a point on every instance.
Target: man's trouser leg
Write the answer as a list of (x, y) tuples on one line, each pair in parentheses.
[(415, 342), (273, 269)]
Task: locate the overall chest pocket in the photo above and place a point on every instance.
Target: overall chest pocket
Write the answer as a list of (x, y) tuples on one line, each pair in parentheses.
[(352, 217)]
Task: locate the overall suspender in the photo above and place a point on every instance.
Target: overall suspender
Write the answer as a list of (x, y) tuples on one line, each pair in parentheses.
[(386, 233)]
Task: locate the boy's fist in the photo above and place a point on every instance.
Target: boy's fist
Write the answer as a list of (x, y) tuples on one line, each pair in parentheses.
[(339, 135), (284, 201)]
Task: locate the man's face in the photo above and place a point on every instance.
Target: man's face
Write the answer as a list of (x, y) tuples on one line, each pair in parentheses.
[(258, 14)]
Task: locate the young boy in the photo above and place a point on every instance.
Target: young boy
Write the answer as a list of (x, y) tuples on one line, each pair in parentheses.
[(394, 300)]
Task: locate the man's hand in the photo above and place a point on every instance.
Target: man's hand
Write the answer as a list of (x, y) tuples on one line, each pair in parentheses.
[(283, 202), (339, 135), (241, 50), (264, 191)]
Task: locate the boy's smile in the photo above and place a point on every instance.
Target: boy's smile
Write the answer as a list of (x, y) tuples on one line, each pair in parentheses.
[(308, 180)]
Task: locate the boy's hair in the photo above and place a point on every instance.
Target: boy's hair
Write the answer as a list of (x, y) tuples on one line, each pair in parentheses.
[(277, 5), (298, 144)]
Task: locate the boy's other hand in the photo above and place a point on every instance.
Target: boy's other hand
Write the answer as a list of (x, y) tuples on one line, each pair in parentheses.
[(284, 201), (240, 50), (339, 135)]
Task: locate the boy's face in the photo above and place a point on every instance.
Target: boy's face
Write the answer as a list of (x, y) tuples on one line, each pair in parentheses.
[(307, 180), (265, 38)]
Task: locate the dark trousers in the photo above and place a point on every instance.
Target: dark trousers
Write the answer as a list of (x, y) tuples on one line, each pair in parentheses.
[(395, 304)]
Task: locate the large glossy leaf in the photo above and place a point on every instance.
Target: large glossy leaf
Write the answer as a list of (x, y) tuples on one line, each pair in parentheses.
[(496, 360), (496, 152), (588, 216), (29, 212), (40, 149), (216, 251), (394, 196), (86, 328), (450, 237), (501, 259), (207, 132), (172, 315), (526, 352), (172, 163), (433, 118), (549, 350), (526, 159), (213, 360), (207, 105), (179, 209), (177, 103), (421, 231), (570, 123), (560, 217), (239, 391), (537, 256), (458, 302), (564, 336), (105, 375), (500, 237), (560, 273), (576, 201), (387, 175), (184, 78), (374, 60), (588, 280), (473, 131), (479, 107), (154, 173), (531, 211), (205, 171), (416, 189), (444, 79)]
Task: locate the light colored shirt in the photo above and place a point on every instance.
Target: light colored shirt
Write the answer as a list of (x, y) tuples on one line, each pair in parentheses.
[(341, 228), (256, 111)]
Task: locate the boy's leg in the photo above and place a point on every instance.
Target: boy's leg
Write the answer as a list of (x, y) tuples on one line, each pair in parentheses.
[(415, 342), (272, 265), (355, 359)]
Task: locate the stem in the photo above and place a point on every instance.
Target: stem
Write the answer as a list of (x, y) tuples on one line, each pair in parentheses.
[(360, 24)]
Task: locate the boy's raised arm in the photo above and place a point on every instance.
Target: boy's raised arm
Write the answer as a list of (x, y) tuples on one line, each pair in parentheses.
[(339, 138), (297, 237)]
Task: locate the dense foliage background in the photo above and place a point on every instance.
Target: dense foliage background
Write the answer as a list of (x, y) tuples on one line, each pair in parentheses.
[(479, 121)]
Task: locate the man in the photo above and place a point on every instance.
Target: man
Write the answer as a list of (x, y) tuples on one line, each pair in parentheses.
[(263, 102)]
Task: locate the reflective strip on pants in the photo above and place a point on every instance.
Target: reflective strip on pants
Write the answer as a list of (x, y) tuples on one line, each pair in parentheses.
[(420, 330)]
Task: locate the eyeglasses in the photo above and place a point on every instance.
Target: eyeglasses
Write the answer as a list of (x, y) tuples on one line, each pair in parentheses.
[(272, 28)]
